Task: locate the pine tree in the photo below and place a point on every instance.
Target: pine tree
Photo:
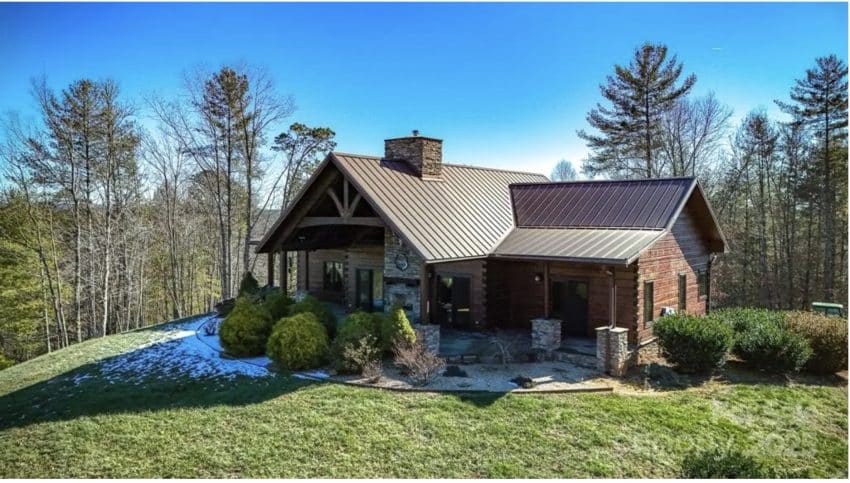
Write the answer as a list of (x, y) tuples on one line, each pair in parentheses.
[(629, 129), (820, 103)]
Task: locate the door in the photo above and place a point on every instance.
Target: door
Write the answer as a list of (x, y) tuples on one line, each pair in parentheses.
[(453, 301), (369, 289), (569, 303)]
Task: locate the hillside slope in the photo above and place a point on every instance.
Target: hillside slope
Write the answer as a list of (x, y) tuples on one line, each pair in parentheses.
[(152, 404)]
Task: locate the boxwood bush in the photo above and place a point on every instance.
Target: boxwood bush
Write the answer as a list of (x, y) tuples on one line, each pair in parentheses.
[(772, 347), (298, 342), (396, 329), (693, 344), (763, 339), (827, 336), (246, 329), (357, 328), (277, 304), (322, 312)]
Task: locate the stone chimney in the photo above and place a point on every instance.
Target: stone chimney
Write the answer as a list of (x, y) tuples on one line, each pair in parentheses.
[(424, 154)]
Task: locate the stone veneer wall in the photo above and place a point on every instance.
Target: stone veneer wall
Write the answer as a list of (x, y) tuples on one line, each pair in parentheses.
[(402, 285), (424, 154)]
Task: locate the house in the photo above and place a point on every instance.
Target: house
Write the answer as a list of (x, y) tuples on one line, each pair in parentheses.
[(472, 248)]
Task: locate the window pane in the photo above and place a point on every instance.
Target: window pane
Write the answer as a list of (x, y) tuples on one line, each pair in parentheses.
[(683, 292), (648, 302)]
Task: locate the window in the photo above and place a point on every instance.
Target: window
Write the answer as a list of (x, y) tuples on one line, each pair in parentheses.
[(332, 277), (648, 302), (702, 282), (683, 292)]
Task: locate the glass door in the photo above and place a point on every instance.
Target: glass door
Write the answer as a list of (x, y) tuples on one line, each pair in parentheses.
[(369, 289)]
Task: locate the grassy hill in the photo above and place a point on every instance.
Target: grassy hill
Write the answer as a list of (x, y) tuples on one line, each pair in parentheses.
[(139, 405)]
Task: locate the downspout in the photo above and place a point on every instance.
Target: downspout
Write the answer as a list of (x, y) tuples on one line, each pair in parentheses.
[(711, 258)]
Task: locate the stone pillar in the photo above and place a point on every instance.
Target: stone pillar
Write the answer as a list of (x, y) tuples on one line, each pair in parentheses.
[(602, 348), (546, 334), (429, 336), (618, 351)]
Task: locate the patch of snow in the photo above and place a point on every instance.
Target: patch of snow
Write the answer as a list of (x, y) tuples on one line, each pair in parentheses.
[(317, 374), (182, 351)]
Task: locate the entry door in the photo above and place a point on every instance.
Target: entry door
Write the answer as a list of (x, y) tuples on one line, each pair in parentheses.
[(369, 289), (453, 301), (569, 303)]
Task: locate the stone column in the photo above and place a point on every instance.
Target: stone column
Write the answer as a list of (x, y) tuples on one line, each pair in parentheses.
[(618, 348), (429, 336), (546, 334), (602, 349)]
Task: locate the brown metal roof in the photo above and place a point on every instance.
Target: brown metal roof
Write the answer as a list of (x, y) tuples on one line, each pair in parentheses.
[(462, 215), (646, 203), (611, 246)]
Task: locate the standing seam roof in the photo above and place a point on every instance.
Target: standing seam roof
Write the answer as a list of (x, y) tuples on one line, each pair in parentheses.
[(462, 215), (650, 203)]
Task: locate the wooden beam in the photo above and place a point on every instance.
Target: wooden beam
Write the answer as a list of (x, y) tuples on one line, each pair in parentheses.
[(354, 204), (546, 289), (270, 268), (284, 272), (346, 212), (335, 199), (308, 221), (303, 205), (612, 309)]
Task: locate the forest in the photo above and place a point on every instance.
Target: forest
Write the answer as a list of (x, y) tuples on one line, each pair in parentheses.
[(119, 213)]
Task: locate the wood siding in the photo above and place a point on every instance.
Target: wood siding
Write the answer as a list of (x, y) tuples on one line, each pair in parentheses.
[(514, 298), (683, 251)]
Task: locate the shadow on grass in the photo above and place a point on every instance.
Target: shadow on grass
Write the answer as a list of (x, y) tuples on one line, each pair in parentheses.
[(664, 378), (85, 391)]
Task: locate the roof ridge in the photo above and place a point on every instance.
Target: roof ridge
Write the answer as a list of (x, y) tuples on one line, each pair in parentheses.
[(589, 181), (454, 165)]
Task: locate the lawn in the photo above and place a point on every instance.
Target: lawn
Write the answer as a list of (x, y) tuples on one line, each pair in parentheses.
[(66, 415)]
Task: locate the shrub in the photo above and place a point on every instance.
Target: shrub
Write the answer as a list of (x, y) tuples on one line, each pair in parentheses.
[(298, 342), (323, 314), (249, 284), (417, 362), (224, 307), (5, 362), (693, 344), (361, 356), (742, 320), (771, 346), (720, 463), (396, 329), (245, 331), (827, 336), (356, 328), (277, 304)]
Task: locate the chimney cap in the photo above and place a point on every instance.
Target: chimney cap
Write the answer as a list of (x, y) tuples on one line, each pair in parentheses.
[(415, 132)]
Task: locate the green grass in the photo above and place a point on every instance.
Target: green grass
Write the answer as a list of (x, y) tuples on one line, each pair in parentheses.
[(284, 427)]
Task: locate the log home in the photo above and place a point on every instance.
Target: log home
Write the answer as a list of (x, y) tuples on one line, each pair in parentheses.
[(476, 248)]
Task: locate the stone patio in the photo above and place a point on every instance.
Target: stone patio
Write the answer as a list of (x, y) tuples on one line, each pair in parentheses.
[(456, 345)]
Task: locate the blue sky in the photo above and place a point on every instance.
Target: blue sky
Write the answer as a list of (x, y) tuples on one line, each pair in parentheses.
[(505, 85)]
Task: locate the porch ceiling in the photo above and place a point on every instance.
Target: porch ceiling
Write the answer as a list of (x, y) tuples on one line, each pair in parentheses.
[(332, 236)]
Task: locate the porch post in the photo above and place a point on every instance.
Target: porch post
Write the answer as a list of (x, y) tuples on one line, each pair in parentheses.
[(284, 272), (424, 303), (546, 290), (270, 268), (307, 271), (612, 309)]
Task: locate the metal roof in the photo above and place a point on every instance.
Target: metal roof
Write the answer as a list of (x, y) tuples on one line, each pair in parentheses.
[(611, 246), (464, 214), (645, 203)]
